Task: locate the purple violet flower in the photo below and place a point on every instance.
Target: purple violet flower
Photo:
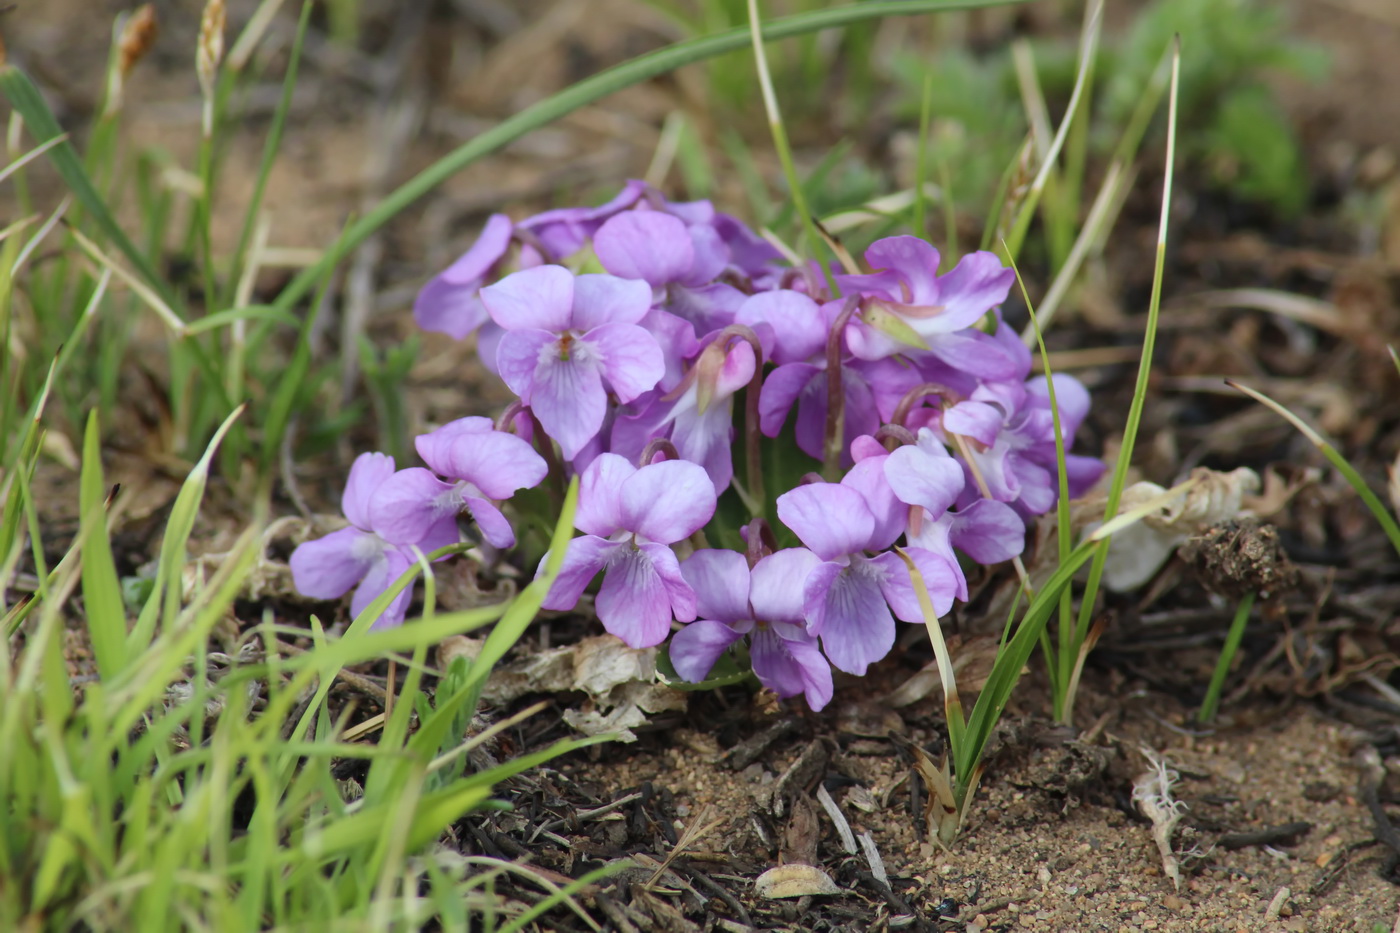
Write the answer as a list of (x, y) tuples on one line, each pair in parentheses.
[(560, 233), (450, 303), (630, 517), (1010, 434), (679, 261), (847, 599), (698, 416), (941, 310), (362, 554), (483, 463), (766, 604), (925, 476), (565, 335)]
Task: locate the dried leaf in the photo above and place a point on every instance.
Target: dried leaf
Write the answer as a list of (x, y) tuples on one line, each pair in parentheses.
[(941, 808), (1139, 551), (794, 880), (621, 684)]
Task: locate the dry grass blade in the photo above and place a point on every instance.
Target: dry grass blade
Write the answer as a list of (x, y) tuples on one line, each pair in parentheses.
[(696, 831)]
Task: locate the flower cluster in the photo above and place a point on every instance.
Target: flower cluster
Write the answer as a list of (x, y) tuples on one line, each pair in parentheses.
[(627, 333)]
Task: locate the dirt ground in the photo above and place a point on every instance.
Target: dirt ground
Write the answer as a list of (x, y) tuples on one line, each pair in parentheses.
[(1286, 811)]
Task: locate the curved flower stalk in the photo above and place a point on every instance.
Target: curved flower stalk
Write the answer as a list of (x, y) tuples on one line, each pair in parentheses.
[(630, 516)]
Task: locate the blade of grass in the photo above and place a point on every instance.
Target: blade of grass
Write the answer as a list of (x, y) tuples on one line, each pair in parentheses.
[(1211, 704), (586, 92), (1353, 478), (102, 592), (1149, 342)]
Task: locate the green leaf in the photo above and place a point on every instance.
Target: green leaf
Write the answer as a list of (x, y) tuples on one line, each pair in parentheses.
[(725, 672), (102, 592)]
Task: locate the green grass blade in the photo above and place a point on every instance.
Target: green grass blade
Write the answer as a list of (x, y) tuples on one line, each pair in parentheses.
[(586, 92), (1149, 343), (1353, 478), (269, 156), (30, 105), (1211, 703), (102, 591)]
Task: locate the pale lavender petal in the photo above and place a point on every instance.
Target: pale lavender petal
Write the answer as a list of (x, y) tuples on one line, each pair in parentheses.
[(541, 298), (940, 579), (978, 283), (633, 603), (475, 264), (914, 260), (450, 303), (977, 420), (720, 579), (870, 345), (976, 354), (780, 392), (923, 479), (669, 569), (868, 478), (607, 299), (676, 336), (788, 324), (379, 578), (750, 253), (327, 567), (1015, 347), (366, 473), (435, 447), (585, 557), (711, 255), (519, 355), (408, 504), (647, 245), (1083, 473), (832, 520), (646, 417), (600, 495), (789, 667), (445, 308), (987, 531), (695, 648), (995, 467), (708, 307), (708, 440), (1070, 395), (488, 341), (777, 585), (934, 535), (568, 398), (852, 618), (493, 525), (668, 501), (496, 462), (1036, 486), (628, 356)]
